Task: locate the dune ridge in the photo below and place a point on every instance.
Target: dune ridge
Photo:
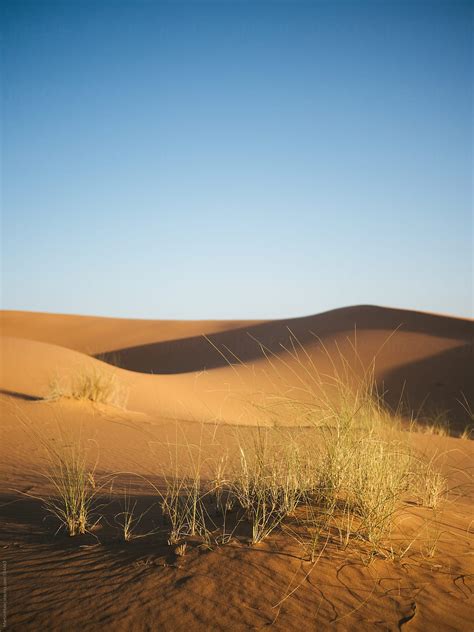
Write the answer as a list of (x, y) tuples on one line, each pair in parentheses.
[(185, 365), (178, 374)]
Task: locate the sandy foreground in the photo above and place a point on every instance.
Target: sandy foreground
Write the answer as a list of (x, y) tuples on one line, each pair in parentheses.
[(197, 383)]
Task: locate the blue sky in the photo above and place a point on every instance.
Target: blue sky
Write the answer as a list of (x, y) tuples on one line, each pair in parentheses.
[(236, 159)]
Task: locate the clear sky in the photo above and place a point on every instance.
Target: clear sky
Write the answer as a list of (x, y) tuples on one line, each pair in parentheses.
[(236, 159)]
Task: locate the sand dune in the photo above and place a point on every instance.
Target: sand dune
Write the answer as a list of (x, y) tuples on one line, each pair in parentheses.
[(99, 335), (424, 357), (188, 371), (94, 335)]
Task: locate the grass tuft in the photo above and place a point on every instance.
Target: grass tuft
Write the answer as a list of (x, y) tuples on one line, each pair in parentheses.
[(90, 385)]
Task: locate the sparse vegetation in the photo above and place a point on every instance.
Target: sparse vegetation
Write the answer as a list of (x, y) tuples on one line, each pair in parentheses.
[(74, 487), (73, 483), (429, 484), (184, 494), (343, 479), (468, 431), (89, 384), (184, 509), (439, 429), (264, 488), (127, 519), (180, 550)]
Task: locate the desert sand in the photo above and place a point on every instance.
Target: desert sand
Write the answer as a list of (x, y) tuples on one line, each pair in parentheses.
[(201, 381)]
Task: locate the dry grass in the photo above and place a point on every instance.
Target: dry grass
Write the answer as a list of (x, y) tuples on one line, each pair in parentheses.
[(70, 473), (128, 519), (184, 493), (74, 488), (343, 479), (468, 431), (183, 507), (344, 483), (180, 550), (435, 421), (438, 429), (438, 422), (90, 384), (265, 485), (430, 486), (351, 474)]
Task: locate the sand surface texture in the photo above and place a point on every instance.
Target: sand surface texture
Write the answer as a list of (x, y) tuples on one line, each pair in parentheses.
[(205, 383)]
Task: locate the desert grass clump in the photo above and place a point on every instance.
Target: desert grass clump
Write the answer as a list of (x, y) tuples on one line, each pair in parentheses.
[(180, 550), (184, 508), (74, 487), (438, 429), (363, 468), (126, 521), (220, 487), (256, 490), (435, 421), (430, 486), (269, 481), (90, 384), (468, 432), (129, 518), (69, 470), (184, 493), (379, 477), (362, 478), (343, 478)]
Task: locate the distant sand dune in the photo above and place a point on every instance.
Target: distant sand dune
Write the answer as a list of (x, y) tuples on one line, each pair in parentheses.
[(94, 334), (173, 373), (181, 368)]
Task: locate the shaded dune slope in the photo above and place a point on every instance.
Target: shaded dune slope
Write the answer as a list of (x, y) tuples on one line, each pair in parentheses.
[(95, 334), (182, 367), (253, 342), (172, 372)]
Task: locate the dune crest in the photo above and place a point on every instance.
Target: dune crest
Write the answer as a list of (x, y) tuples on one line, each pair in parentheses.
[(177, 374), (183, 368)]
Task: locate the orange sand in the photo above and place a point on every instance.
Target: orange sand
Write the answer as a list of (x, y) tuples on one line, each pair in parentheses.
[(172, 372)]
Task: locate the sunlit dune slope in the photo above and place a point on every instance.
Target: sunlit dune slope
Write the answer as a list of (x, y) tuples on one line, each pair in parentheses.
[(95, 334), (183, 368), (188, 371)]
